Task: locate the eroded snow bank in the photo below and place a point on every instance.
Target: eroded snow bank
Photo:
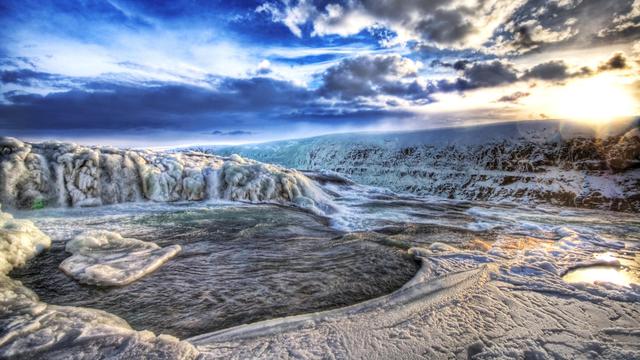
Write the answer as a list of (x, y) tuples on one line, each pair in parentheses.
[(105, 258), (59, 174)]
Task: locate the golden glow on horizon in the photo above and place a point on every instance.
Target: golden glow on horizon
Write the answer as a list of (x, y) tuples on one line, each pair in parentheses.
[(596, 100)]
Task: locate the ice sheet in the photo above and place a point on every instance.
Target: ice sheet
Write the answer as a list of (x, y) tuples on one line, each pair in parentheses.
[(105, 258)]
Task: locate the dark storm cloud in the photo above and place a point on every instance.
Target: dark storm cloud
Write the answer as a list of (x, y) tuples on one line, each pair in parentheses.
[(168, 106), (555, 70), (444, 26), (456, 65), (27, 77), (479, 75), (490, 74), (368, 76), (552, 70), (558, 70), (228, 102), (496, 73)]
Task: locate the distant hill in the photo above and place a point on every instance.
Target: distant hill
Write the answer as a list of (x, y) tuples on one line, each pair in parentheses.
[(550, 161)]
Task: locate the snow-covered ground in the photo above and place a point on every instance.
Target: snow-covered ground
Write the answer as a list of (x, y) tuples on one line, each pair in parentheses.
[(322, 267), (562, 163)]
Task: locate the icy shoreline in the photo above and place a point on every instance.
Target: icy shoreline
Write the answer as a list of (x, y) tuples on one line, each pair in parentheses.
[(506, 299)]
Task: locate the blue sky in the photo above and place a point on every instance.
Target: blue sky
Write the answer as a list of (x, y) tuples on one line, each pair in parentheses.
[(179, 72)]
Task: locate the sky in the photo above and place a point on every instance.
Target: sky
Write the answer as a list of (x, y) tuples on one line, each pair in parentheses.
[(163, 73)]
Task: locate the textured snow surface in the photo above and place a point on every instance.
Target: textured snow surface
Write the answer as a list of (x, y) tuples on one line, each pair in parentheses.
[(500, 297), (59, 174), (528, 162), (105, 258), (504, 303)]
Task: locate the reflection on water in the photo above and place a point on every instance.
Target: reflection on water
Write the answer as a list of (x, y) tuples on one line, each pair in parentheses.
[(602, 273)]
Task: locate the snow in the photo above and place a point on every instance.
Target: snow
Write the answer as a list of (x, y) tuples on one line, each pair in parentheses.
[(105, 258), (32, 329), (20, 240), (505, 299), (59, 174), (501, 292), (532, 162), (460, 304)]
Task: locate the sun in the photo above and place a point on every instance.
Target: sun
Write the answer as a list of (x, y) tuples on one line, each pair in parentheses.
[(596, 100)]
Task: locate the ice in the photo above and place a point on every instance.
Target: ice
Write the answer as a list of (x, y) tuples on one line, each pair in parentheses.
[(493, 277), (532, 162), (421, 286), (462, 303), (20, 240), (58, 174), (506, 299), (35, 330), (105, 258), (441, 247)]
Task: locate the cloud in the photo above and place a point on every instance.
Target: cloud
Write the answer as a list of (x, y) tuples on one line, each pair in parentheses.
[(108, 105), (231, 133), (617, 62), (555, 70), (225, 67), (479, 75), (626, 23), (540, 25), (558, 70), (99, 104), (28, 77), (494, 26), (531, 34), (264, 67), (370, 76), (293, 17), (456, 23), (457, 65), (552, 70), (490, 74), (495, 73), (513, 98)]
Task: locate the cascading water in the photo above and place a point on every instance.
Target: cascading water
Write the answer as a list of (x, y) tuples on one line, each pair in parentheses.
[(56, 174)]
